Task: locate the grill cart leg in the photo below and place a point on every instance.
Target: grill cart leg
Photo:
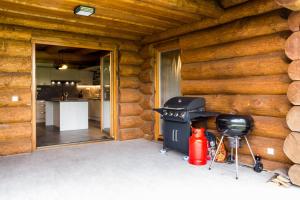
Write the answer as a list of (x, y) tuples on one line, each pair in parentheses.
[(163, 151), (250, 149), (236, 157), (216, 153)]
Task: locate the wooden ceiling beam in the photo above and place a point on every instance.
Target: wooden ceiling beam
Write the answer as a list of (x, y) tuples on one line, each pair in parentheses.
[(70, 17), (35, 22), (230, 3), (121, 16), (208, 8), (144, 8), (250, 8)]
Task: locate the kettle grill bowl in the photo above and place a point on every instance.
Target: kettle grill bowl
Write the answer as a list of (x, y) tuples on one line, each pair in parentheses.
[(234, 125)]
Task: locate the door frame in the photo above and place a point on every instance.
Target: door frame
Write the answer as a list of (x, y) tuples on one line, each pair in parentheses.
[(113, 48), (158, 49)]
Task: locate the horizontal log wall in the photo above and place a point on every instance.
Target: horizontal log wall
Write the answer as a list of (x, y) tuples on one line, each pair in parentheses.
[(16, 78), (241, 68), (146, 77)]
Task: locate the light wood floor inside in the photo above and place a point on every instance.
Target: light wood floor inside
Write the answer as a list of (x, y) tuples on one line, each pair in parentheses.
[(50, 135)]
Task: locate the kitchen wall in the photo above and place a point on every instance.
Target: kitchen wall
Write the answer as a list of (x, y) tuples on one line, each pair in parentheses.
[(45, 75)]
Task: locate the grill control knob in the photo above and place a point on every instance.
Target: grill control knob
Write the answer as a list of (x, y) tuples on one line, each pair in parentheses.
[(170, 114), (165, 113), (182, 115), (176, 114)]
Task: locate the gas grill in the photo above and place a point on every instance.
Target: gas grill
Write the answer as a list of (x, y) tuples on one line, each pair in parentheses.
[(178, 114)]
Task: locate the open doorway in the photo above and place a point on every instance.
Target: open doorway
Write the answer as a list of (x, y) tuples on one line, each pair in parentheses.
[(73, 95)]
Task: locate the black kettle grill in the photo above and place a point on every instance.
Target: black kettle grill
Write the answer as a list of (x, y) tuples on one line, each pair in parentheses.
[(234, 127)]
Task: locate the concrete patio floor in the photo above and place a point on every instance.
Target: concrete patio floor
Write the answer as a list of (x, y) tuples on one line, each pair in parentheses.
[(126, 170)]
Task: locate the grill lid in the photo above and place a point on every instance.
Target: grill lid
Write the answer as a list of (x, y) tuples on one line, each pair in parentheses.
[(185, 103)]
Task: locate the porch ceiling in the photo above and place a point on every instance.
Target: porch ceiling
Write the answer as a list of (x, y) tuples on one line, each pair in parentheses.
[(128, 19)]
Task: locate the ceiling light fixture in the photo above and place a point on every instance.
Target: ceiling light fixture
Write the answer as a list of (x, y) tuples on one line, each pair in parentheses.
[(63, 66), (84, 10)]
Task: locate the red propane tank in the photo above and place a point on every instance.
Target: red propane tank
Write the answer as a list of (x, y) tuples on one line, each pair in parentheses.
[(198, 147)]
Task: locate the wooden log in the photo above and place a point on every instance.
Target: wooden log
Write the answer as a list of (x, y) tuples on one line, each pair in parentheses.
[(169, 45), (146, 76), (294, 21), (15, 33), (130, 109), (264, 105), (15, 64), (260, 146), (22, 145), (230, 3), (291, 147), (147, 115), (129, 70), (131, 122), (271, 127), (148, 64), (238, 30), (294, 174), (293, 93), (15, 48), (149, 137), (292, 46), (131, 133), (206, 8), (293, 118), (130, 95), (147, 102), (15, 131), (264, 126), (251, 8), (294, 70), (268, 164), (265, 64), (23, 94), (290, 4), (146, 88), (15, 114), (147, 128), (37, 22), (253, 46), (273, 85), (15, 80), (147, 51), (129, 82), (130, 58)]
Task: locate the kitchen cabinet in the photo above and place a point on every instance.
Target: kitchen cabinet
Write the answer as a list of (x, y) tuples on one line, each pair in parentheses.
[(40, 111), (94, 109)]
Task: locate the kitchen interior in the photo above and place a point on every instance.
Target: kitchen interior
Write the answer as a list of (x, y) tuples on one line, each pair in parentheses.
[(72, 95)]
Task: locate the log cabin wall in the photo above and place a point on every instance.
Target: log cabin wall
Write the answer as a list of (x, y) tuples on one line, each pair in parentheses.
[(16, 78), (130, 110), (240, 67)]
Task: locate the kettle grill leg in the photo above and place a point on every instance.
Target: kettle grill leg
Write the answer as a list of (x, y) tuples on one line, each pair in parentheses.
[(250, 149), (236, 157), (216, 153)]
